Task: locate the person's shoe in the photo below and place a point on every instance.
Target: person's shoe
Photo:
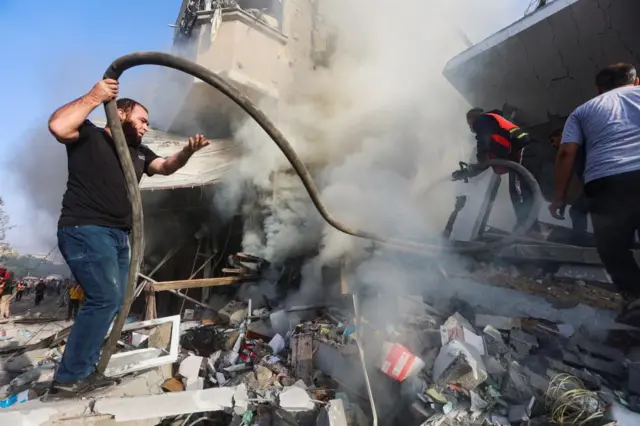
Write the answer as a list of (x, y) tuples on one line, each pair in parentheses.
[(93, 382)]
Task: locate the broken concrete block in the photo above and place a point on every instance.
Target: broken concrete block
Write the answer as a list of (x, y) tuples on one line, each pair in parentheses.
[(166, 405), (499, 323), (494, 342), (458, 328), (499, 420), (565, 330), (234, 312), (277, 344), (160, 336), (521, 413), (592, 363), (194, 383), (539, 382), (461, 364), (522, 342), (264, 377), (294, 398), (477, 403), (190, 367), (31, 358), (138, 339), (494, 366), (582, 344), (336, 413), (592, 273), (240, 399), (517, 388)]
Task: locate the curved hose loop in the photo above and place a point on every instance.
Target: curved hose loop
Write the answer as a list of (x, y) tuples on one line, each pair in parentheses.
[(126, 62)]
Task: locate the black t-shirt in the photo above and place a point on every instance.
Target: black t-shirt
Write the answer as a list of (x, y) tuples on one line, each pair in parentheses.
[(96, 190)]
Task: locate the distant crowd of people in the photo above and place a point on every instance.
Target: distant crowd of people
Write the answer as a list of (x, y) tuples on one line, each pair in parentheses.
[(69, 292)]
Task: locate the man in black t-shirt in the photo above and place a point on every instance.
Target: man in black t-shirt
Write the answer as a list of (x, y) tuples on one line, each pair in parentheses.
[(96, 218)]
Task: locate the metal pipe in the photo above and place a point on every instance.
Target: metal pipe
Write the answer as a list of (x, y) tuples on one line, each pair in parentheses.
[(126, 62)]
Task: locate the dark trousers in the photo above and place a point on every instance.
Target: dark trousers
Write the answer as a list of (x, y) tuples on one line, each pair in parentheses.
[(578, 213), (99, 260), (39, 297), (614, 204), (521, 198), (72, 308), (19, 295)]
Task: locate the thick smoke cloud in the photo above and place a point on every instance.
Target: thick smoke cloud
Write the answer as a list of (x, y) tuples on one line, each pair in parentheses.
[(377, 128)]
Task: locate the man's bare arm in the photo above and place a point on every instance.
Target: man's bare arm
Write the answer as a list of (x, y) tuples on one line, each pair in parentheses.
[(564, 168), (565, 161), (171, 164), (65, 122)]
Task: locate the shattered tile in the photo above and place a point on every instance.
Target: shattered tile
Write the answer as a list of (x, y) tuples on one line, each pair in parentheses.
[(500, 323), (294, 398), (522, 342), (461, 364)]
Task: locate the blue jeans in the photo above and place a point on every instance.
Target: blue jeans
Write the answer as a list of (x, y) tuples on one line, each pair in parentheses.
[(99, 260)]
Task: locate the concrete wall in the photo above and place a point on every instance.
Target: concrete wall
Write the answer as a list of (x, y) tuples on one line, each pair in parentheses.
[(545, 64), (261, 60), (261, 56), (249, 52)]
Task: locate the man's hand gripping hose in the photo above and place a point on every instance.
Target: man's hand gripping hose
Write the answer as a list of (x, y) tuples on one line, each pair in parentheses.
[(126, 62)]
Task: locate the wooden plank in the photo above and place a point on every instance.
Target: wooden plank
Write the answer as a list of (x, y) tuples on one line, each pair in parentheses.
[(302, 356), (199, 283)]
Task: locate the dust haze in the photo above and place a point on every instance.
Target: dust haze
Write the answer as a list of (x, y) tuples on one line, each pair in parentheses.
[(377, 128)]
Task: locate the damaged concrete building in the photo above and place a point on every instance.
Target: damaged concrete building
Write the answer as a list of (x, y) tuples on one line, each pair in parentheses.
[(537, 71), (458, 351), (260, 47)]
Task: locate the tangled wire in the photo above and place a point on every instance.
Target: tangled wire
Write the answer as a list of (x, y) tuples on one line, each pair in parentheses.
[(569, 403)]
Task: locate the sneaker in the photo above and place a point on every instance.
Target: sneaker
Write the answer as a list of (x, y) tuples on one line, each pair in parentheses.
[(93, 382)]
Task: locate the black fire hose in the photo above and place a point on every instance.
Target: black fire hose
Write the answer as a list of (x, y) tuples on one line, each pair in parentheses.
[(123, 63)]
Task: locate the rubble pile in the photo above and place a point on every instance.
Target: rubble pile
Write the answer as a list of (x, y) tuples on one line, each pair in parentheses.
[(320, 365)]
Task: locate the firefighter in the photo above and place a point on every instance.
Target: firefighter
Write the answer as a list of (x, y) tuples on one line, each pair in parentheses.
[(498, 138), (20, 291)]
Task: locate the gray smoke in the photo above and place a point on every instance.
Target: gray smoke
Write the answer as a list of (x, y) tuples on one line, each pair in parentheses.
[(377, 128)]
